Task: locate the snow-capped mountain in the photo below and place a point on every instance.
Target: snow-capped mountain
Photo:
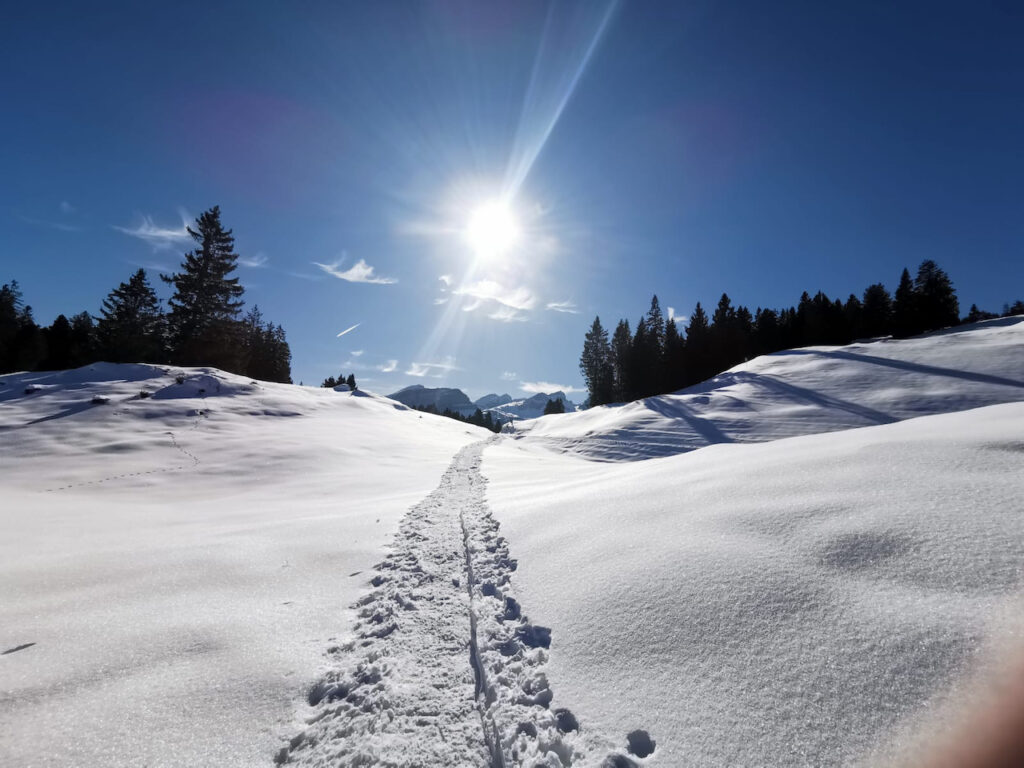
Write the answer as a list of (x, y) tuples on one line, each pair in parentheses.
[(491, 400), (418, 396), (530, 407)]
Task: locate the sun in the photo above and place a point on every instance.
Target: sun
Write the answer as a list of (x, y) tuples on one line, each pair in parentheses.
[(492, 230)]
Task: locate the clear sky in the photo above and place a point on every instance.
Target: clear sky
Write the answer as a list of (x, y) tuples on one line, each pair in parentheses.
[(616, 150)]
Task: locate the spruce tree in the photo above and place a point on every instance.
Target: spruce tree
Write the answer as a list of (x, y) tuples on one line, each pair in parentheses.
[(351, 381), (130, 328), (206, 300), (621, 358), (674, 357), (905, 320), (596, 364), (937, 304), (876, 311), (698, 347)]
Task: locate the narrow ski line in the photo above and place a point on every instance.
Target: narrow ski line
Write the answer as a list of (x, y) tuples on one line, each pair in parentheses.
[(400, 693)]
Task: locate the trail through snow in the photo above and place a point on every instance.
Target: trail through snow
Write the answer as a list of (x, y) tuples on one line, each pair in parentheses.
[(444, 668)]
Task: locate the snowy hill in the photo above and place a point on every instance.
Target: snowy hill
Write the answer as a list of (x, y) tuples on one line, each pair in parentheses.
[(805, 391), (174, 566), (418, 396), (531, 407), (199, 569)]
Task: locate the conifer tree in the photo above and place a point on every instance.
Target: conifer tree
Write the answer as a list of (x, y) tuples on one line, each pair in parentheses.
[(131, 324), (876, 311), (596, 364), (622, 362), (351, 381), (904, 310), (674, 358), (937, 305), (698, 346), (206, 299)]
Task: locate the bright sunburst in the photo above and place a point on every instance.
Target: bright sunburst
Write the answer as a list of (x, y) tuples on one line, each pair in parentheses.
[(492, 230)]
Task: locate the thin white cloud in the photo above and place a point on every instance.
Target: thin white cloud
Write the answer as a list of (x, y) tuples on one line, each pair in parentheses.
[(516, 298), (50, 224), (547, 387), (441, 300), (349, 330), (509, 375), (446, 279), (434, 369), (66, 207), (360, 272), (256, 261), (568, 307), (157, 236), (358, 353), (388, 367), (507, 315), (678, 319)]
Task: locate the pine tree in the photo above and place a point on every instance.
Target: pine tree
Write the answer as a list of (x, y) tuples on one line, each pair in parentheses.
[(937, 304), (351, 381), (622, 362), (674, 357), (698, 347), (554, 406), (596, 364), (876, 312), (206, 299), (905, 320), (131, 323)]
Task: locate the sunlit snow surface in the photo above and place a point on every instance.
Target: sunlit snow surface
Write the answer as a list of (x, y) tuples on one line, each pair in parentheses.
[(175, 568), (798, 602), (180, 562)]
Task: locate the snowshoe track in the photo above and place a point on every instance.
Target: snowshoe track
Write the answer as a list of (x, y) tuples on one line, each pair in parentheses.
[(444, 667)]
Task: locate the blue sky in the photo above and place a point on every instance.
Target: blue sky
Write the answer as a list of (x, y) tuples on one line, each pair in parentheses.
[(680, 148)]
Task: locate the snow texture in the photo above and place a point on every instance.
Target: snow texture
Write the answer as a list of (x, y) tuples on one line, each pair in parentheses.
[(174, 563), (444, 668), (805, 391)]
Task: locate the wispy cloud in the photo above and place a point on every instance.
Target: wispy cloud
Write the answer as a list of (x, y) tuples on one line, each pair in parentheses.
[(678, 319), (66, 207), (435, 369), (516, 298), (50, 224), (547, 387), (157, 236), (507, 315), (360, 272), (509, 375), (446, 279), (357, 353), (563, 306), (440, 300), (256, 261), (388, 367), (349, 330)]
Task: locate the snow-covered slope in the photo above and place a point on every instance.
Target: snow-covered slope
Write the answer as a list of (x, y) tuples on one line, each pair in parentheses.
[(801, 602), (173, 567), (491, 400), (531, 407), (804, 391)]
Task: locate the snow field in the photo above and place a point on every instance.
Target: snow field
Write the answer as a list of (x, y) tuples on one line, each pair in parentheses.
[(803, 602)]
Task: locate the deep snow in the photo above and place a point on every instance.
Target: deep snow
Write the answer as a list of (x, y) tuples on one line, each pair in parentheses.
[(199, 575), (805, 391), (181, 562)]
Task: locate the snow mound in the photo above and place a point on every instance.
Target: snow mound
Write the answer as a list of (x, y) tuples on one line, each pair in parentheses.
[(807, 601), (175, 560), (805, 391)]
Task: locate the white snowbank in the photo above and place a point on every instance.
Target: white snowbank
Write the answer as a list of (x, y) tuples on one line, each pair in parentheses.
[(806, 391), (788, 603), (180, 560)]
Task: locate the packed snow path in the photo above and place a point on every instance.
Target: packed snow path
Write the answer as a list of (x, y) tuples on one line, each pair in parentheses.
[(444, 668)]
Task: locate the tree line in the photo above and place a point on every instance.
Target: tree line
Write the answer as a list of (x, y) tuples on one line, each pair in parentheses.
[(350, 381), (204, 324), (479, 418), (657, 357)]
